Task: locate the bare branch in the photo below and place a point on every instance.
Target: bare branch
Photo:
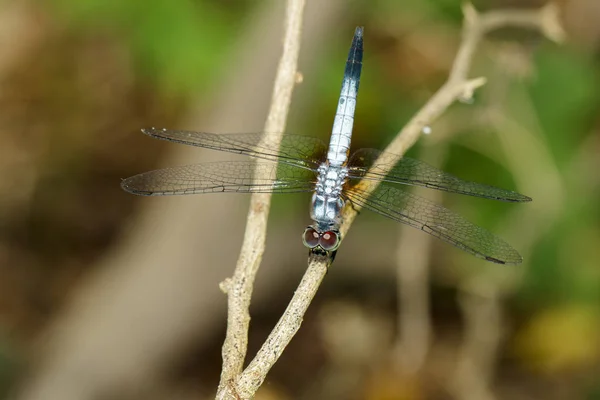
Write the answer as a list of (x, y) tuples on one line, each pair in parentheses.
[(284, 330), (239, 288)]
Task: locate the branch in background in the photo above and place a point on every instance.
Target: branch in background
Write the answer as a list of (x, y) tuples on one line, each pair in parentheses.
[(482, 309), (480, 299), (239, 288), (545, 19), (412, 275), (481, 295), (414, 322)]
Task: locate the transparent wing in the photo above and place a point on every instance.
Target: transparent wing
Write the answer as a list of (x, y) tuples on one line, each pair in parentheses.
[(414, 172), (229, 176), (303, 151), (436, 220)]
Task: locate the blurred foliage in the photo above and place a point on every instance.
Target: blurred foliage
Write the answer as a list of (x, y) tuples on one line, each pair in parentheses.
[(560, 339), (8, 366), (565, 97), (566, 101), (178, 49), (165, 36)]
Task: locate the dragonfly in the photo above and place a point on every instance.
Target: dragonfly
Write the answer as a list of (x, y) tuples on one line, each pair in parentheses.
[(369, 178)]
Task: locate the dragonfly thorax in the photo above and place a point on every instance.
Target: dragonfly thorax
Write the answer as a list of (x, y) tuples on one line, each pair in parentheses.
[(327, 201)]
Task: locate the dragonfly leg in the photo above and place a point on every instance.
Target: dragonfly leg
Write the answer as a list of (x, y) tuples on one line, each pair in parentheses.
[(317, 251), (354, 206)]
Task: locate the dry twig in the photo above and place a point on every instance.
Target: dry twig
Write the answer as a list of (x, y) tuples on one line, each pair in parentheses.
[(239, 288)]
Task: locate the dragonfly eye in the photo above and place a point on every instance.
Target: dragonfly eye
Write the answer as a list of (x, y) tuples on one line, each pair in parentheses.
[(310, 238), (330, 240)]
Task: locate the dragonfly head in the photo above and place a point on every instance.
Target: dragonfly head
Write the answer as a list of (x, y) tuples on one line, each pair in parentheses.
[(321, 240)]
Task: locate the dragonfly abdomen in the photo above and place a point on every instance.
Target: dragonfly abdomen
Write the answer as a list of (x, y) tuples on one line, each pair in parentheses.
[(343, 122)]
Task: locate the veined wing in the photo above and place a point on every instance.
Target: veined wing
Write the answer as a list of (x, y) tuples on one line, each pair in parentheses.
[(303, 151), (436, 220), (414, 172), (226, 176)]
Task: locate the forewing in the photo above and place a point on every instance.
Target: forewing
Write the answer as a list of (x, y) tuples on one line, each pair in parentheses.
[(229, 176), (376, 165), (434, 219), (303, 151)]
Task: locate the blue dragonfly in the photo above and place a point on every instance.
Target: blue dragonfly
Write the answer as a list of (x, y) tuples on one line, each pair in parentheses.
[(307, 164)]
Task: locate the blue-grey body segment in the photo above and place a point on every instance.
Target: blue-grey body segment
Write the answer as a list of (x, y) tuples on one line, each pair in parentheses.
[(339, 145), (327, 201)]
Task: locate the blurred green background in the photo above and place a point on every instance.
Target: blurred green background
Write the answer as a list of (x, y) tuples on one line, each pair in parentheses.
[(79, 78)]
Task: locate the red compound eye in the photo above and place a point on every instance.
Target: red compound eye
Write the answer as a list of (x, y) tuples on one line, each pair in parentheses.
[(310, 238), (330, 240)]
